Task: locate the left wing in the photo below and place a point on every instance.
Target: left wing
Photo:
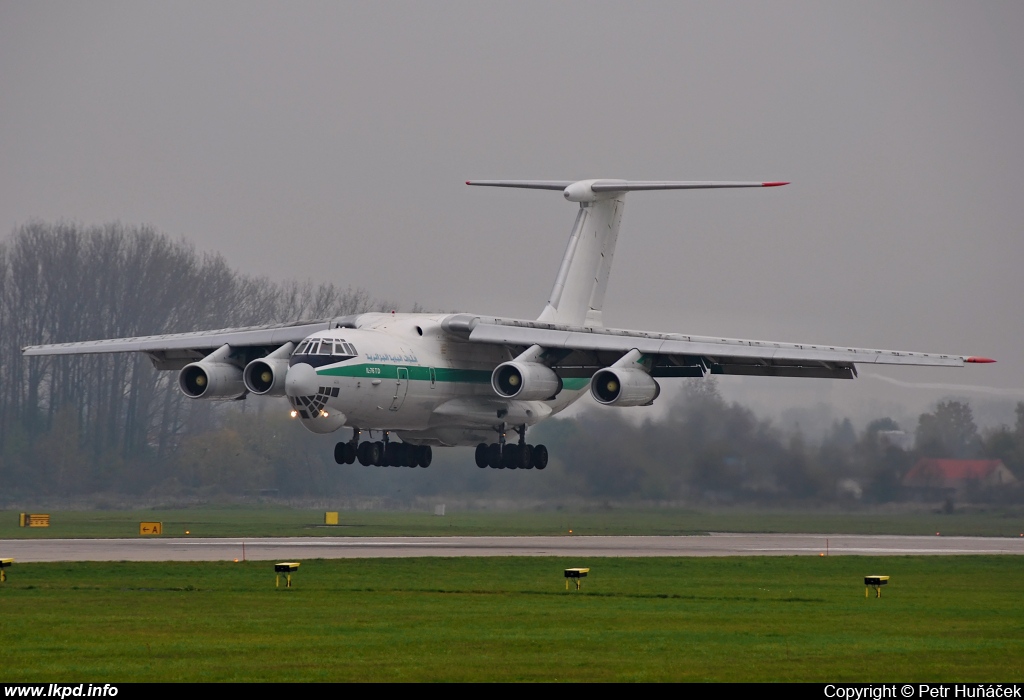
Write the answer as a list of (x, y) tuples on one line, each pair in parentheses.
[(676, 355)]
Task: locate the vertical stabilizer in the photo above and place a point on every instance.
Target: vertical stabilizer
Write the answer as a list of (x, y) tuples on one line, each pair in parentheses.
[(578, 295)]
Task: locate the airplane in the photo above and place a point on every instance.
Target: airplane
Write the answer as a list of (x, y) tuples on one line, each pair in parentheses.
[(424, 380)]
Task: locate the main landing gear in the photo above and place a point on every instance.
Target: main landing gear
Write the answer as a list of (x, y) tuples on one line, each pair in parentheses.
[(382, 454), (497, 456), (502, 455)]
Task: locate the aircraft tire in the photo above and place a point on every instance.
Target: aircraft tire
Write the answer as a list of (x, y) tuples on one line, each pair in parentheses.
[(424, 455), (376, 452), (350, 453), (481, 455), (540, 457), (409, 458), (363, 454), (494, 456), (510, 456), (525, 457), (392, 455), (340, 453)]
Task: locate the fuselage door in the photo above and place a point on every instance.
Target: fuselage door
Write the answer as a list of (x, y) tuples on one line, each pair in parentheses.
[(433, 377), (401, 388)]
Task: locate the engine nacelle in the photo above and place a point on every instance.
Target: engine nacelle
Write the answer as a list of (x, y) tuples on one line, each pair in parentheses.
[(526, 381), (211, 380), (624, 386), (266, 376)]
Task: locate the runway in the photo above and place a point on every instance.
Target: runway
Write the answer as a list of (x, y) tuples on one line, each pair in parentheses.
[(286, 548)]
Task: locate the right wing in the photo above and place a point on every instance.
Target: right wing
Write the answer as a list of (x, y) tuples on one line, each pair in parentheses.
[(175, 350)]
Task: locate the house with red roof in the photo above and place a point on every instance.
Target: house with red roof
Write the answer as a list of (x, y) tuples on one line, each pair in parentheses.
[(957, 475)]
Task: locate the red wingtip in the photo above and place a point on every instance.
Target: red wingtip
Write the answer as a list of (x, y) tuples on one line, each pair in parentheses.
[(773, 184), (467, 182), (980, 360)]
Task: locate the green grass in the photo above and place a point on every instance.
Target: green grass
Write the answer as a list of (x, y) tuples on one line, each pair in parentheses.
[(256, 521), (510, 619)]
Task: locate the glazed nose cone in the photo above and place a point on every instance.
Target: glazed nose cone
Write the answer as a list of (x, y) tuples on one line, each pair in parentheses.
[(301, 380)]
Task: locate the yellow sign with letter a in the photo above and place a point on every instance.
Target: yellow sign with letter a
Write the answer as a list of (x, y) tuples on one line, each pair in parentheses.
[(151, 528)]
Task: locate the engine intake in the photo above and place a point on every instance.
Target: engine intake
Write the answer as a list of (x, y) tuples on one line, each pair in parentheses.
[(211, 380), (266, 376), (526, 381), (624, 386)]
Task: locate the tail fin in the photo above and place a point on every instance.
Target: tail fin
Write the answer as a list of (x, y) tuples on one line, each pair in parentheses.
[(578, 294)]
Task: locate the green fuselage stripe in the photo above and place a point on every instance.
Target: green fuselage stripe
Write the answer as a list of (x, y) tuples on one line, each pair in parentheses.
[(422, 374), (416, 373)]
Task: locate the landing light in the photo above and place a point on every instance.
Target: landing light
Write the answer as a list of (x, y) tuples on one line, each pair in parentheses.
[(294, 413), (323, 413)]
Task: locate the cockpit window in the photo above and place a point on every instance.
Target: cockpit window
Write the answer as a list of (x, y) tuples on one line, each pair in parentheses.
[(323, 351)]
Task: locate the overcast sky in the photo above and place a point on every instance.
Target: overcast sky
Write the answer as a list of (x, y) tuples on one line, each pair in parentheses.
[(331, 141)]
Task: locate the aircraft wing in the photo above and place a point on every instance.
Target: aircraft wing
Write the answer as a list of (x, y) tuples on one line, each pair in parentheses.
[(175, 350), (688, 355)]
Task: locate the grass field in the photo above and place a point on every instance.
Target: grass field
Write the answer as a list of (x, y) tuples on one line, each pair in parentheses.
[(510, 619), (256, 521)]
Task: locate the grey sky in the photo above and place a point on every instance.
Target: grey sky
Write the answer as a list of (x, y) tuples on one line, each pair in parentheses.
[(331, 141)]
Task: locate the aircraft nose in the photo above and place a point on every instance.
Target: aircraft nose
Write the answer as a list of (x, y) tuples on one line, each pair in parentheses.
[(301, 380)]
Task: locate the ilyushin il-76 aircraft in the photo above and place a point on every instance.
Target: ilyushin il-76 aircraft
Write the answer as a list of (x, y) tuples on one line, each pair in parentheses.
[(422, 380)]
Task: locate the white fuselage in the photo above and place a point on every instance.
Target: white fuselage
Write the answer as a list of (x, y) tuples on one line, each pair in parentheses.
[(403, 373)]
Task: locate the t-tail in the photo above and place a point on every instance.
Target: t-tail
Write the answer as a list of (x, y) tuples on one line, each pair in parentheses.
[(577, 296)]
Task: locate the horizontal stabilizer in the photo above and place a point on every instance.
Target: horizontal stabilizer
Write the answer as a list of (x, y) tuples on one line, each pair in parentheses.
[(634, 185), (594, 190), (619, 185), (524, 184)]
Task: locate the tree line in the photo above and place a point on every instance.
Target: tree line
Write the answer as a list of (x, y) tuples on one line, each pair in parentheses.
[(705, 449), (87, 423), (112, 424)]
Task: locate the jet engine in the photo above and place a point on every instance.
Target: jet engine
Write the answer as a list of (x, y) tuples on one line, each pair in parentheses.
[(266, 376), (526, 381), (624, 386), (211, 380)]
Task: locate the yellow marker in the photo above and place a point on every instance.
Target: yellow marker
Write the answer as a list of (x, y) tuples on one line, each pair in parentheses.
[(4, 563), (575, 575), (151, 528), (331, 517), (875, 582), (38, 519), (287, 568)]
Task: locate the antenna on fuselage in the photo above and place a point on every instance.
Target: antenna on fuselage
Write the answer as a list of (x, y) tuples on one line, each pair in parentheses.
[(577, 296)]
